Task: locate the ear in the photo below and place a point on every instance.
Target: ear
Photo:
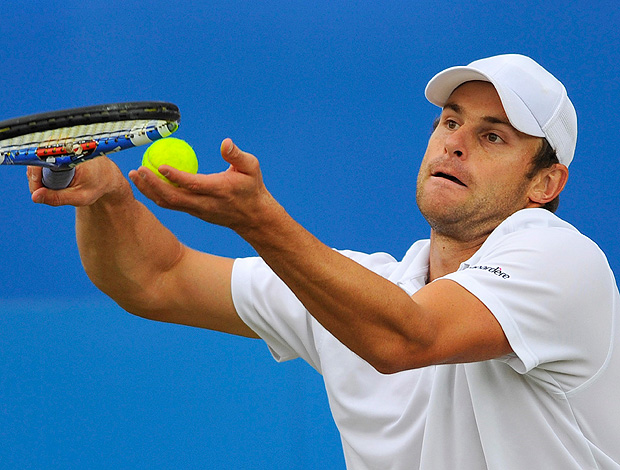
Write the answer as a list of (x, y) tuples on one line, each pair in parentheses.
[(547, 184)]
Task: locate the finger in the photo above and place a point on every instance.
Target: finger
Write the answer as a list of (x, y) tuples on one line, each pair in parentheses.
[(240, 160), (196, 201), (50, 197), (185, 184), (180, 178), (39, 193), (160, 192), (144, 179), (93, 179), (38, 196), (34, 178)]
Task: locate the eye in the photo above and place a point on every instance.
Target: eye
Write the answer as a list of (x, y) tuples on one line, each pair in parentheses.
[(452, 125), (494, 138)]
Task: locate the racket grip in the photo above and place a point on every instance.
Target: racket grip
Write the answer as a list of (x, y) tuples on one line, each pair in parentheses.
[(57, 178)]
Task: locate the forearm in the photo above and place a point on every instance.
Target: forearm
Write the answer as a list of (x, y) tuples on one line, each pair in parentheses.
[(369, 314), (138, 262), (375, 318), (123, 247), (372, 316)]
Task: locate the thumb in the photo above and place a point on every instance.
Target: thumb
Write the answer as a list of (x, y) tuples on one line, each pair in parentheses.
[(241, 161)]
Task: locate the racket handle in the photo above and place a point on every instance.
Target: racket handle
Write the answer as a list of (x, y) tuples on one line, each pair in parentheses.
[(57, 178)]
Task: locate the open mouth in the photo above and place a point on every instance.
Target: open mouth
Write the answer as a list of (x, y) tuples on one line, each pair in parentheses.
[(454, 179)]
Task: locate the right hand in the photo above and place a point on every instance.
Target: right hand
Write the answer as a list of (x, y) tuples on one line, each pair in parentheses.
[(93, 179)]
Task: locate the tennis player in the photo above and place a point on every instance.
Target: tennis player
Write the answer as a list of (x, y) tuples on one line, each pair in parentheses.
[(493, 344)]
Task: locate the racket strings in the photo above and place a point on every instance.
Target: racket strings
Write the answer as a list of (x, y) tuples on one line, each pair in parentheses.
[(58, 137), (81, 141)]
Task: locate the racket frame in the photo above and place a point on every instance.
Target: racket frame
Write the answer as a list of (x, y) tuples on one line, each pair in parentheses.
[(35, 140)]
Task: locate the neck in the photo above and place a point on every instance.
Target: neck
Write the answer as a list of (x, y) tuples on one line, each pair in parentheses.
[(447, 253)]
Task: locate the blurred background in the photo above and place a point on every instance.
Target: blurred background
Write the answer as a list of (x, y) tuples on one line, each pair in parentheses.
[(329, 96)]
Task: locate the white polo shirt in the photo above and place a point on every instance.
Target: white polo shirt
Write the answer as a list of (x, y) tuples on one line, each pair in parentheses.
[(552, 404)]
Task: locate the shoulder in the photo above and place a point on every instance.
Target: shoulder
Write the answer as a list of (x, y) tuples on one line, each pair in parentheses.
[(534, 220), (535, 246), (551, 289), (541, 233)]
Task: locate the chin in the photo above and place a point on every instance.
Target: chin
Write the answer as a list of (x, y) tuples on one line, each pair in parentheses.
[(438, 206)]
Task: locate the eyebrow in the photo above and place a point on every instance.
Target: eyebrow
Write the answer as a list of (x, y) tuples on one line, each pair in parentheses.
[(490, 119)]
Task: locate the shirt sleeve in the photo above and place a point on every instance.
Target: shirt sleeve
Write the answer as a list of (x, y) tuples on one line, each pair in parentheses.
[(553, 293), (266, 304), (272, 311)]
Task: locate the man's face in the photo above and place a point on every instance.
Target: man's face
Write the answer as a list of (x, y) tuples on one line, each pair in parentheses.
[(473, 174)]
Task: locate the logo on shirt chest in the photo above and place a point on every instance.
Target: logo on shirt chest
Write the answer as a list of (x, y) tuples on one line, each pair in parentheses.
[(492, 269)]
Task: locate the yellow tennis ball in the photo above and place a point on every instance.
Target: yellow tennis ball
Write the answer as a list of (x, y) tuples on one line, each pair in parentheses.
[(173, 152)]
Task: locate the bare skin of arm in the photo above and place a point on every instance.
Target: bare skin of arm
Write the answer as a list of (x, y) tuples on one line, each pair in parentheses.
[(442, 323), (130, 256), (134, 259)]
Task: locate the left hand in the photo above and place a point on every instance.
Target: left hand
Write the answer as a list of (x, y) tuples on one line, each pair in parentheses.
[(234, 198)]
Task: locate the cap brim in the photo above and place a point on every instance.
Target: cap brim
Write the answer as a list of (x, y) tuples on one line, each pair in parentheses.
[(442, 85)]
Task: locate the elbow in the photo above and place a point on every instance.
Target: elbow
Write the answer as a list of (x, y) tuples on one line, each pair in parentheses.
[(135, 299), (390, 366), (387, 368), (146, 303), (395, 357), (409, 341)]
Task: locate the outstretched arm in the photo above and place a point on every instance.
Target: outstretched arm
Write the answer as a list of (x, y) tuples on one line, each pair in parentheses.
[(133, 258), (372, 316)]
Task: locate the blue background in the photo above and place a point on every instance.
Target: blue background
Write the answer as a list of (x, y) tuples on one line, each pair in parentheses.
[(329, 96)]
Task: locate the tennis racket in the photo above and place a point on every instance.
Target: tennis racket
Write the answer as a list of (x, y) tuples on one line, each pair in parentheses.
[(60, 140)]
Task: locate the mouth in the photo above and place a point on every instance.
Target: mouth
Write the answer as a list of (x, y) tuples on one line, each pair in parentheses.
[(449, 177)]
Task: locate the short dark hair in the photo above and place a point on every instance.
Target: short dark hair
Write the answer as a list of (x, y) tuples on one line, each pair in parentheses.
[(544, 158)]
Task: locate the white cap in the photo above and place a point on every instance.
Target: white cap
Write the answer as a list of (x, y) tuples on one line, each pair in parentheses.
[(535, 101)]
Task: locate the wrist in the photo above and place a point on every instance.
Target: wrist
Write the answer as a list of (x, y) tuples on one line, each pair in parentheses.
[(101, 187), (273, 232), (263, 221)]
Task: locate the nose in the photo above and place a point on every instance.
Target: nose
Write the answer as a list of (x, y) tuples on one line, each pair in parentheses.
[(455, 143)]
